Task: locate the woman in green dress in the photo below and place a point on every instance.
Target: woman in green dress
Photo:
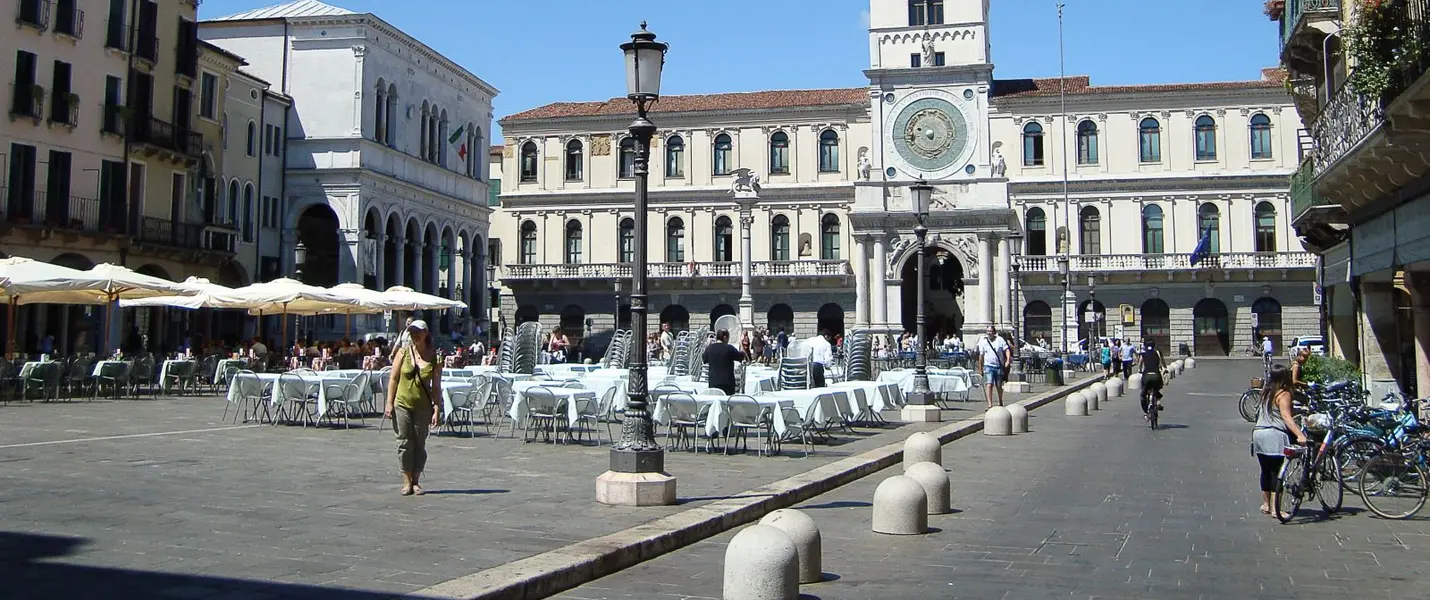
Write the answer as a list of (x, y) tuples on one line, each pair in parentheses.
[(413, 402)]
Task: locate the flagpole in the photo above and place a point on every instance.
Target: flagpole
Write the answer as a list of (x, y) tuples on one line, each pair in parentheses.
[(1069, 301)]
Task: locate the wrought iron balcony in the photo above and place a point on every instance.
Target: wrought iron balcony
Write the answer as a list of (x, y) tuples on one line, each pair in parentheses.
[(164, 135), (65, 110), (1304, 197), (34, 13), (70, 23), (1299, 13), (672, 270), (1100, 263), (40, 209), (188, 236), (27, 100)]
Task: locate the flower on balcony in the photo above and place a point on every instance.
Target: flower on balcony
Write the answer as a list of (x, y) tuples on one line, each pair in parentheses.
[(1274, 8), (1381, 43)]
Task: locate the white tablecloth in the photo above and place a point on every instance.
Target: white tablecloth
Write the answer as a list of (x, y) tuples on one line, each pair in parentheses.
[(520, 408), (878, 396), (565, 371), (314, 383), (953, 381), (717, 420), (99, 366), (164, 371), (241, 363), (819, 406)]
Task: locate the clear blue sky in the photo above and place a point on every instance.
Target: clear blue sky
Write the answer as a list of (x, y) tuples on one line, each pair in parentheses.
[(542, 51)]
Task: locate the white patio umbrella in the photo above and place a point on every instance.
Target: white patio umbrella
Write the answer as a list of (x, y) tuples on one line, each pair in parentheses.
[(368, 302), (206, 295), (407, 298), (287, 296), (104, 284)]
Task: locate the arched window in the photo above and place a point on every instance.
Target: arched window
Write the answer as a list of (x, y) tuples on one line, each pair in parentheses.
[(574, 160), (573, 242), (426, 133), (252, 139), (724, 240), (390, 123), (1149, 141), (1152, 238), (829, 151), (379, 112), (779, 238), (1090, 230), (233, 191), (441, 141), (1036, 224), (1087, 143), (1209, 224), (723, 159), (529, 162), (628, 240), (1032, 145), (628, 158), (675, 156), (1260, 136), (528, 243), (675, 240), (247, 220), (829, 237), (1265, 227), (1206, 138), (779, 153)]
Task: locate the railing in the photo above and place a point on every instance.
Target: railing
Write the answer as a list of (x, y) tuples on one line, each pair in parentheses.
[(70, 23), (1303, 191), (1296, 9), (113, 120), (163, 134), (1087, 263), (35, 13), (213, 237), (27, 100), (72, 213), (65, 110), (670, 270)]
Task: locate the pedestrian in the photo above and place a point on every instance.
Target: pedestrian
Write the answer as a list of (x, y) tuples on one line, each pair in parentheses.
[(721, 358), (1274, 429), (412, 402), (996, 357), (821, 358), (1128, 352), (1105, 357)]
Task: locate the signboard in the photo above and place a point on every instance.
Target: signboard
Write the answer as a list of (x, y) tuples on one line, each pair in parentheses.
[(1238, 298), (1093, 317), (1316, 294), (1129, 314), (1255, 319)]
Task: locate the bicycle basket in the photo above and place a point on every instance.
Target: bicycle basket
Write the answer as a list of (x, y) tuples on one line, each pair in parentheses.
[(1256, 382), (1317, 422)]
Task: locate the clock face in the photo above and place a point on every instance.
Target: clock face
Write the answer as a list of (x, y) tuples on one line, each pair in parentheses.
[(930, 135)]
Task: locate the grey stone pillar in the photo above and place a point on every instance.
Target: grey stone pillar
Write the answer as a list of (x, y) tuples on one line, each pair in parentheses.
[(380, 256), (985, 278), (400, 277), (1003, 277), (860, 262), (876, 284), (1419, 284)]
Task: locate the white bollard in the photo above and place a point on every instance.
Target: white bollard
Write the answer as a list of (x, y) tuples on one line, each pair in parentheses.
[(761, 564), (900, 507), (1134, 383), (935, 483), (1019, 415), (805, 535), (922, 447), (1178, 366), (1115, 387), (1100, 389), (1191, 362), (1075, 405), (997, 421)]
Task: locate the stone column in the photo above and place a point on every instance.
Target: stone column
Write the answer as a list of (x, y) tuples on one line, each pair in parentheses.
[(1419, 284), (399, 244), (349, 255), (1004, 277), (860, 261), (414, 279), (380, 256), (880, 318), (985, 278), (435, 267), (747, 222), (1378, 334)]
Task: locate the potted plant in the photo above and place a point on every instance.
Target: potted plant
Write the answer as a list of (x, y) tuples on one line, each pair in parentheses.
[(1274, 9), (1380, 45)]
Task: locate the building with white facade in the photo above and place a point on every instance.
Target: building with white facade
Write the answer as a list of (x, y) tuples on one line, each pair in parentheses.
[(384, 152), (1149, 169)]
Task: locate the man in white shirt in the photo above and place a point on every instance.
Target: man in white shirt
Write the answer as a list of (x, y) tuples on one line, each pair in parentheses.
[(821, 357), (996, 357), (1267, 349)]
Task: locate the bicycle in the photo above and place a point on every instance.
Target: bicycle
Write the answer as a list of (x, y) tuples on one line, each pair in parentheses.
[(1395, 476), (1304, 475), (1152, 398)]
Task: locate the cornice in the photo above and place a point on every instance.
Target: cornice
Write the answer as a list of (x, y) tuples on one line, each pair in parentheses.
[(376, 22), (687, 119), (1271, 182)]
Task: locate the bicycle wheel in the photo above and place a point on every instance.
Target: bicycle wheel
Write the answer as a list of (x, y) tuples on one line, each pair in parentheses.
[(1153, 408), (1393, 485), (1329, 488), (1352, 455), (1290, 488), (1248, 406)]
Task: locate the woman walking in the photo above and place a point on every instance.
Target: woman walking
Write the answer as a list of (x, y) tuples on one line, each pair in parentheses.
[(412, 402), (1274, 428)]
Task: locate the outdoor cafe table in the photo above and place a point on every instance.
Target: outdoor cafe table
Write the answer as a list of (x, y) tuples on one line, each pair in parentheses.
[(829, 405), (164, 370), (941, 381), (717, 420), (520, 407), (879, 396), (222, 365), (565, 370), (314, 383), (99, 366)]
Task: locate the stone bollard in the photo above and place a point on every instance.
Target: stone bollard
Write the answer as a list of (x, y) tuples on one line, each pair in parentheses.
[(1019, 415), (1115, 387), (1191, 362), (935, 483), (900, 507), (1177, 367), (922, 447), (997, 421), (761, 564), (1075, 405), (805, 535), (1100, 389), (1134, 383), (1091, 397)]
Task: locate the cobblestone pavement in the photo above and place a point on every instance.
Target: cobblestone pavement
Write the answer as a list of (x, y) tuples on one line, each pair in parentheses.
[(162, 499), (1089, 507)]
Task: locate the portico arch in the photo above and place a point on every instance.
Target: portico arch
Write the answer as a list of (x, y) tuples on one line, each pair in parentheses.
[(943, 298)]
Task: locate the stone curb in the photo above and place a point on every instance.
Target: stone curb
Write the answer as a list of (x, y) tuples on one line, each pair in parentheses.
[(558, 570)]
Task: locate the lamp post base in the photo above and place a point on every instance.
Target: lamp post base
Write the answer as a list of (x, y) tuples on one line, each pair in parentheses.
[(921, 413), (616, 488)]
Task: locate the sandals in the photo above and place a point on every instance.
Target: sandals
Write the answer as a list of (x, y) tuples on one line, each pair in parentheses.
[(1265, 510), (417, 490), (406, 490)]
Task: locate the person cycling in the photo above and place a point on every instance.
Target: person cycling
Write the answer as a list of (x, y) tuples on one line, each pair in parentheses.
[(1151, 362)]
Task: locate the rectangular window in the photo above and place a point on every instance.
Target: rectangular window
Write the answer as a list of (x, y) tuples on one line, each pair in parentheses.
[(116, 35), (494, 193), (57, 190), (147, 47), (183, 109), (28, 94), (268, 139), (69, 19), (35, 13), (277, 141), (248, 218), (111, 196), (187, 48), (938, 59), (64, 105), (208, 96), (916, 60), (20, 206), (113, 98)]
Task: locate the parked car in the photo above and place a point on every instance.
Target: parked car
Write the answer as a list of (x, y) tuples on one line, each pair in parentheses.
[(1316, 343)]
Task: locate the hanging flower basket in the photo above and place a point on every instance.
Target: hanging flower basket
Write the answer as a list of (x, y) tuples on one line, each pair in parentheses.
[(1274, 9)]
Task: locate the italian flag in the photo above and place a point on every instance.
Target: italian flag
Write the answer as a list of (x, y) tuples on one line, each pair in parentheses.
[(457, 137)]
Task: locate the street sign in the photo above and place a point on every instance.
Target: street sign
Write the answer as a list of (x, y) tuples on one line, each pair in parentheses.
[(1129, 314), (1255, 319)]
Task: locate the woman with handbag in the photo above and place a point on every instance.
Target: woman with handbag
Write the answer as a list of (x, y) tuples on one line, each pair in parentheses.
[(413, 403)]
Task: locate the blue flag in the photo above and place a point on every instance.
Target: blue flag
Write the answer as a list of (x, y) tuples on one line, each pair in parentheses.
[(1203, 248)]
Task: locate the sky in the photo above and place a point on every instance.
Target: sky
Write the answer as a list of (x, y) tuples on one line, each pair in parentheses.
[(541, 51)]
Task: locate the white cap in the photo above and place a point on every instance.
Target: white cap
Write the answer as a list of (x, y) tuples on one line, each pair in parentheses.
[(418, 324)]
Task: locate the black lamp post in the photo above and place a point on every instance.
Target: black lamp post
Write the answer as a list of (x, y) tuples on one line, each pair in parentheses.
[(1067, 308), (300, 258), (1015, 251), (638, 453), (921, 193)]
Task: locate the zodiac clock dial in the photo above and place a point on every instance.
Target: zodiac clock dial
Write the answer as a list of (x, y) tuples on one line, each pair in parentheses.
[(930, 134)]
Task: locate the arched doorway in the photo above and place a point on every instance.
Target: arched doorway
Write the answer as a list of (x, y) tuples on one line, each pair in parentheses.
[(943, 306), (371, 234), (1091, 322), (573, 321), (1266, 322), (720, 310), (1038, 323), (676, 316), (1157, 324), (1211, 333), (527, 313), (780, 318), (831, 319), (318, 232)]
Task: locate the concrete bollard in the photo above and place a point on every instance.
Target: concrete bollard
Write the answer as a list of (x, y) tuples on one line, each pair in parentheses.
[(922, 447), (1134, 383), (935, 483), (900, 507), (1178, 366), (805, 535), (1100, 389), (761, 564), (1191, 362), (1075, 405), (997, 421), (1019, 415), (1115, 387), (1092, 403)]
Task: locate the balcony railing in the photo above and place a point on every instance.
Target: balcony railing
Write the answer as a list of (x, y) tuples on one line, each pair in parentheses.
[(34, 13), (669, 270), (113, 120), (1347, 119), (163, 134), (1296, 10), (1303, 191), (65, 110), (70, 23), (71, 213), (1094, 263), (27, 100), (187, 236)]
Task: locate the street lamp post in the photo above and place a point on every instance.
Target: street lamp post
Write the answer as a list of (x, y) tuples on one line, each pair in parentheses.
[(1094, 318), (1069, 319), (919, 404), (637, 476), (1015, 249), (616, 316), (300, 258)]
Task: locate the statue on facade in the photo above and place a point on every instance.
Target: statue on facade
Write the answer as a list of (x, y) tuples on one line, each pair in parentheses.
[(1000, 166), (866, 167), (1062, 240), (745, 181), (928, 60)]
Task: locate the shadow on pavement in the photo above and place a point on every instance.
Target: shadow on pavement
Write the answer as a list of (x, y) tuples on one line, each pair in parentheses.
[(465, 492), (839, 504)]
